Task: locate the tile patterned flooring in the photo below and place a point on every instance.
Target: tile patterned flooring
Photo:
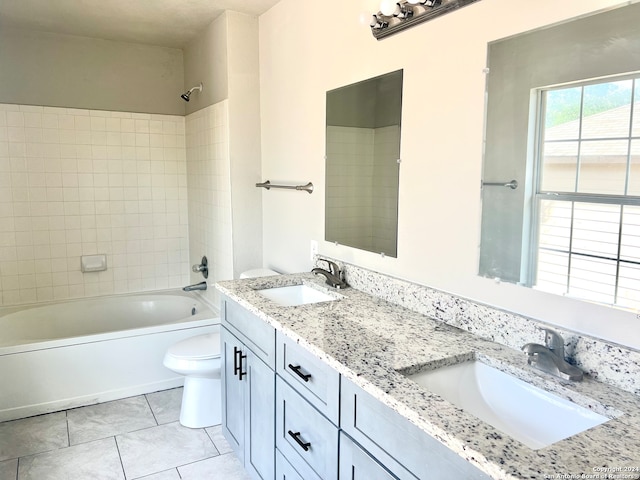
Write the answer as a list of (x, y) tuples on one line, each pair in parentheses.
[(133, 438)]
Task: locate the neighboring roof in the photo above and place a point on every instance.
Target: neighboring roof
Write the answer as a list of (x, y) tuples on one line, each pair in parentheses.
[(609, 124)]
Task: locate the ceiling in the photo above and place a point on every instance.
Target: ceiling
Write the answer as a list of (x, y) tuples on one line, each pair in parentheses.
[(169, 23)]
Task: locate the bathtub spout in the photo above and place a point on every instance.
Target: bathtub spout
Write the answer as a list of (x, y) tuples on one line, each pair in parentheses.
[(197, 286)]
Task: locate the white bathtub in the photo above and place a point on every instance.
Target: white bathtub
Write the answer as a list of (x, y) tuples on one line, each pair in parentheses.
[(80, 352)]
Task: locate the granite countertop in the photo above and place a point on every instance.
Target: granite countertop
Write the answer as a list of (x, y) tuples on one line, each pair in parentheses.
[(369, 340)]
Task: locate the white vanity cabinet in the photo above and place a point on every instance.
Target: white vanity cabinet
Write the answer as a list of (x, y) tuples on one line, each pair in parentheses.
[(307, 413), (248, 388)]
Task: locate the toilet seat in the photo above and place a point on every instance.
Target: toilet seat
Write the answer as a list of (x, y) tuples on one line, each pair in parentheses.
[(200, 347)]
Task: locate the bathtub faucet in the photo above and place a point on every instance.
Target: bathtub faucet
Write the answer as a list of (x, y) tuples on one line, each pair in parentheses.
[(196, 286)]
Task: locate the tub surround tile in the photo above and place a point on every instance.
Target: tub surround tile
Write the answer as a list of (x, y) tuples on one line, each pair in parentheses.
[(9, 469), (226, 467), (97, 460), (166, 405), (369, 340), (108, 419), (161, 448), (100, 166), (33, 435)]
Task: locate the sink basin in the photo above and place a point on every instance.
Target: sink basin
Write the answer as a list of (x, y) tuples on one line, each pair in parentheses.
[(295, 295), (526, 413)]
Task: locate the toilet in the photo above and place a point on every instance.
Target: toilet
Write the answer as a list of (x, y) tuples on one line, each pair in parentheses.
[(198, 359)]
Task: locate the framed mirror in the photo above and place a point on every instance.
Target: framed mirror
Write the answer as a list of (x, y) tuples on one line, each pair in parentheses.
[(362, 164)]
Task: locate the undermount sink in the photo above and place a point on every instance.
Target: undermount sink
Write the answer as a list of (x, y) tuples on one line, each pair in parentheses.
[(526, 413), (295, 295)]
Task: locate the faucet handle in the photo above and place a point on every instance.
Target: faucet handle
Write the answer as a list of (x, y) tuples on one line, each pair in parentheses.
[(333, 267), (554, 341), (203, 267)]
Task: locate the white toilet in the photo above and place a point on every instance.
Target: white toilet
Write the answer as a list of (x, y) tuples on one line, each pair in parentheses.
[(198, 359)]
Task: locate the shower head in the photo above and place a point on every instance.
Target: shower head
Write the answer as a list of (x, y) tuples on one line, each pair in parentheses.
[(185, 96)]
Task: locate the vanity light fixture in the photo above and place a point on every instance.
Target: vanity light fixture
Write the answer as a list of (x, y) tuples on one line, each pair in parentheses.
[(395, 16)]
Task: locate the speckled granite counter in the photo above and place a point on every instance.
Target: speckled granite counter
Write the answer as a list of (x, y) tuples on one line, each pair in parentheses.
[(368, 340)]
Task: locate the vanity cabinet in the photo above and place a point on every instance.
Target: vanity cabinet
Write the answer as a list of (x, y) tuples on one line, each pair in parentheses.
[(316, 381), (290, 416), (403, 448), (248, 388), (284, 470), (356, 464), (307, 413)]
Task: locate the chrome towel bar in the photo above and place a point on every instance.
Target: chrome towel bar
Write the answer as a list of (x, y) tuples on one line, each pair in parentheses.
[(268, 185), (513, 184)]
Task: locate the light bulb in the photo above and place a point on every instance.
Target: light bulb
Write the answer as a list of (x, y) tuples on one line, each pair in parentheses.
[(388, 7)]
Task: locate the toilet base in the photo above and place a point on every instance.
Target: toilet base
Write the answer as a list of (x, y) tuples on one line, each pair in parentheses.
[(201, 402)]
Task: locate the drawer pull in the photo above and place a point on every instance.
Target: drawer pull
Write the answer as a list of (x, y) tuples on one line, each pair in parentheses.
[(237, 363), (296, 436), (296, 370)]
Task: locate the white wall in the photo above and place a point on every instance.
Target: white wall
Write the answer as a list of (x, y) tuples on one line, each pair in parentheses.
[(205, 60), (244, 140), (303, 54), (225, 58), (56, 70)]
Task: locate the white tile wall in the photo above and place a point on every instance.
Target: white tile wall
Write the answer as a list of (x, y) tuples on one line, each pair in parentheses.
[(208, 177), (362, 201), (385, 184), (350, 172), (76, 182)]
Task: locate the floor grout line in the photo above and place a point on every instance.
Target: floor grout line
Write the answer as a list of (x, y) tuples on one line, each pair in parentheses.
[(165, 407), (151, 408), (66, 419), (124, 473)]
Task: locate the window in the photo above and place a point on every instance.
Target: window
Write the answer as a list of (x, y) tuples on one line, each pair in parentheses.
[(586, 208)]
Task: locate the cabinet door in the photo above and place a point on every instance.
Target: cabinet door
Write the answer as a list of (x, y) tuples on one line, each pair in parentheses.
[(396, 442), (356, 464), (305, 438), (259, 417), (233, 425)]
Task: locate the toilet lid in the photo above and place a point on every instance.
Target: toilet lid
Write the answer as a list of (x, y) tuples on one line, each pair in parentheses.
[(199, 347)]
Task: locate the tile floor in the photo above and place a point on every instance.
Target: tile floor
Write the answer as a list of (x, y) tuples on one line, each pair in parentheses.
[(133, 438)]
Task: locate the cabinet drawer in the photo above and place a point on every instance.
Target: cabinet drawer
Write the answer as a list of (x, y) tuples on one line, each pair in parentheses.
[(254, 332), (317, 382), (303, 435), (284, 470), (357, 464), (391, 438)]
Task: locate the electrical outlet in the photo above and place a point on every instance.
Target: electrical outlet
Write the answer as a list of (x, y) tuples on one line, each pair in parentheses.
[(313, 250)]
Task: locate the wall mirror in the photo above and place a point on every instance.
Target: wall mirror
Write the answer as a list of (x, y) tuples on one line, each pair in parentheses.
[(362, 167), (563, 121)]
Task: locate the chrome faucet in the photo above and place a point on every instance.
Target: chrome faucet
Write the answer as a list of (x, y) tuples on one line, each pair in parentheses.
[(550, 357), (196, 286), (332, 274)]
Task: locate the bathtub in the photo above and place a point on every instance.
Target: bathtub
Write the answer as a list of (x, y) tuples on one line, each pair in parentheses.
[(80, 352)]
